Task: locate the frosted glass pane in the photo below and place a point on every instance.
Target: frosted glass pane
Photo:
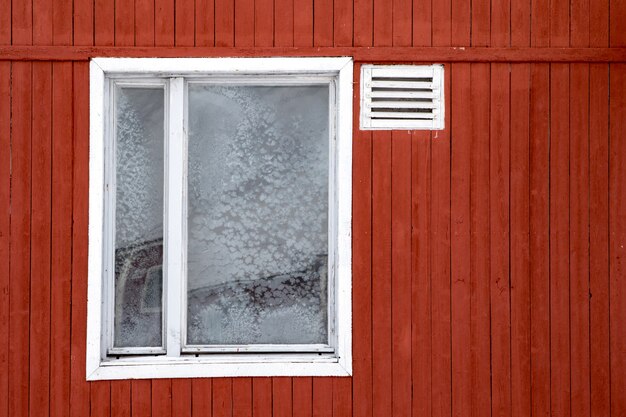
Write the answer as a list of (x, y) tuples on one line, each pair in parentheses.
[(258, 214), (139, 217)]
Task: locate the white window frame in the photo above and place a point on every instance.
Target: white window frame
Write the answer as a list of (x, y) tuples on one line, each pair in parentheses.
[(180, 361)]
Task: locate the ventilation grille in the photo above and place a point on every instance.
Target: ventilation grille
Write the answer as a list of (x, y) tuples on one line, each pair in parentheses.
[(402, 97)]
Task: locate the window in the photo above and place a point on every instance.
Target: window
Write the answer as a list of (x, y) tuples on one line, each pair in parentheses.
[(220, 217)]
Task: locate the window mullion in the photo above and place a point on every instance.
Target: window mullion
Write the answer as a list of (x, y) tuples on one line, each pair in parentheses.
[(174, 216)]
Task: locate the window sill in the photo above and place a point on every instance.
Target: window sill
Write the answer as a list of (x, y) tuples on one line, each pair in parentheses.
[(219, 366)]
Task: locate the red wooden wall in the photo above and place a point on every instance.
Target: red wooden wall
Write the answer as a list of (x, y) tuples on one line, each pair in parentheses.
[(489, 258)]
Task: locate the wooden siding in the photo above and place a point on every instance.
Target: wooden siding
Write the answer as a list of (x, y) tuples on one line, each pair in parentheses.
[(489, 274)]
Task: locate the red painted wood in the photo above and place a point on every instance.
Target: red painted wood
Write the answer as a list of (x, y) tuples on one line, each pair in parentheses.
[(480, 329), (263, 23), (460, 267), (61, 267), (402, 22), (100, 401), (481, 22), (323, 22), (144, 26), (539, 239), (461, 10), (540, 23), (422, 23), (579, 239), (205, 23), (401, 268), (599, 23), (283, 27), (617, 37), (381, 273), (343, 25), (383, 23), (599, 239), (559, 22), (161, 398), (500, 238), (125, 22), (520, 245), (79, 393), (342, 397), (362, 267), (282, 397), (141, 398), (164, 22), (121, 398), (21, 22), (580, 25), (42, 22), (104, 22), (520, 22), (242, 397), (440, 264), (421, 373), (501, 23), (5, 230), (617, 237), (62, 17), (244, 23), (224, 22), (441, 23), (322, 397), (184, 24), (261, 397), (559, 241), (363, 22), (5, 23), (83, 22), (181, 398), (201, 399), (302, 397), (222, 397), (303, 22), (40, 241), (20, 239)]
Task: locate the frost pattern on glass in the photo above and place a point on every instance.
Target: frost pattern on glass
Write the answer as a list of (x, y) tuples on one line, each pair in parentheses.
[(258, 214), (139, 217)]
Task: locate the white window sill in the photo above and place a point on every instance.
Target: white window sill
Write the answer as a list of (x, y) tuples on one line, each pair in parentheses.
[(225, 366)]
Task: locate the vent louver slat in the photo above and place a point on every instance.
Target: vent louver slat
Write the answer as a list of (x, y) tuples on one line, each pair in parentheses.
[(402, 97)]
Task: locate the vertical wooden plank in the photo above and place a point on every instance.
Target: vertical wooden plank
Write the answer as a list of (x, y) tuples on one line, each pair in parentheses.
[(323, 22), (559, 240), (41, 240), (222, 397), (303, 22), (62, 200), (381, 274), (5, 230), (383, 23), (559, 22), (302, 397), (322, 397), (21, 22), (461, 23), (185, 23), (104, 22), (161, 398), (501, 23), (244, 23), (62, 20), (520, 246), (361, 262), (421, 284), (282, 397), (242, 397), (262, 397), (79, 395), (617, 18), (205, 23), (402, 30), (100, 399), (124, 23), (201, 397), (540, 23), (401, 276), (481, 22), (500, 238), (224, 22), (579, 239), (144, 26), (5, 23), (460, 268), (83, 22), (599, 23), (363, 22), (440, 263), (164, 22), (617, 236), (283, 23), (141, 398), (263, 23), (121, 405), (343, 27), (181, 397), (579, 28), (599, 238), (480, 325), (19, 316), (42, 22), (539, 239), (520, 22), (422, 22), (342, 397), (441, 23)]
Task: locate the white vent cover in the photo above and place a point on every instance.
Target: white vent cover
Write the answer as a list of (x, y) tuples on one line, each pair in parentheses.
[(402, 97)]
